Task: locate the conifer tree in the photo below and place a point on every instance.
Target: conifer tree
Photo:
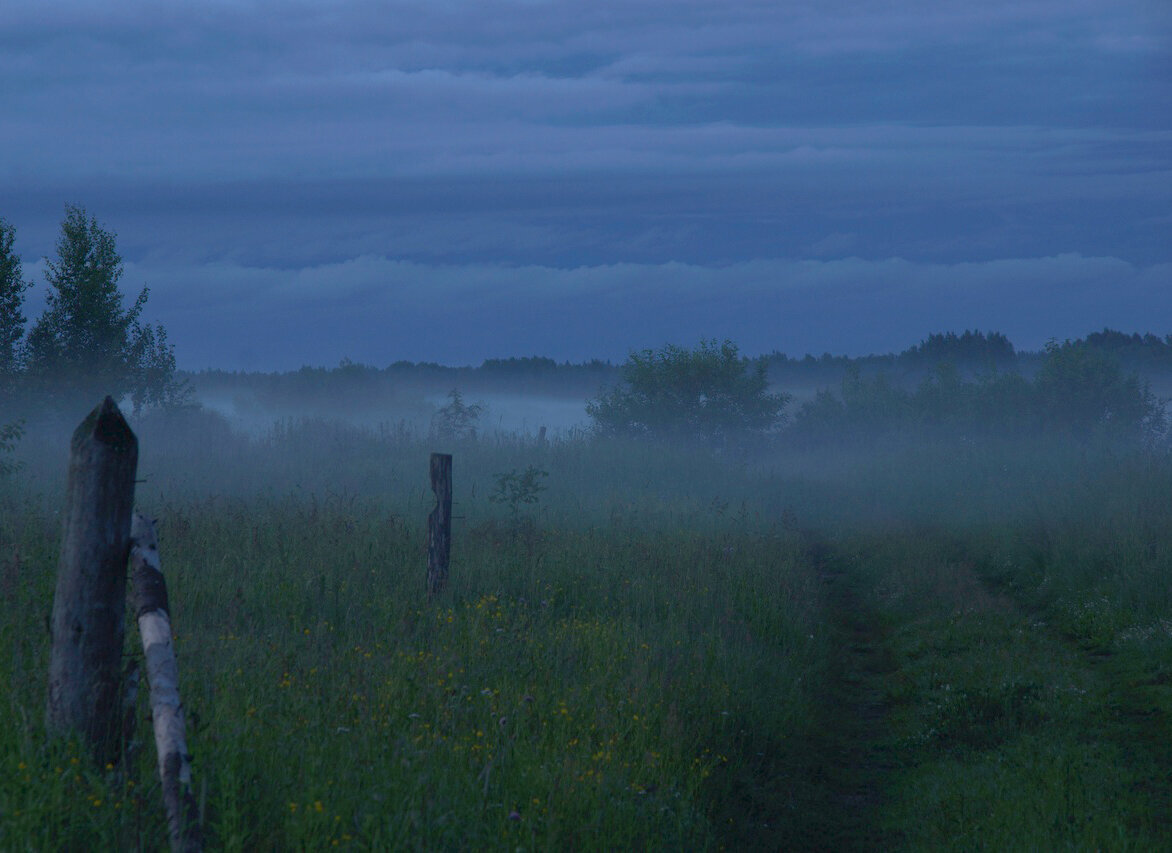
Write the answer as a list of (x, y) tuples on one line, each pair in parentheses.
[(12, 287)]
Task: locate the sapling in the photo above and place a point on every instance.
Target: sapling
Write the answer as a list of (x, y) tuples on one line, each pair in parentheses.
[(517, 488)]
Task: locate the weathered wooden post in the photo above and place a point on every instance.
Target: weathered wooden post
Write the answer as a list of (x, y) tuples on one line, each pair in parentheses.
[(154, 627), (439, 524), (85, 662)]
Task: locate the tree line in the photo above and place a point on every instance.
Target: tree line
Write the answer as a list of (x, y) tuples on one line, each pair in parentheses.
[(713, 395), (86, 343)]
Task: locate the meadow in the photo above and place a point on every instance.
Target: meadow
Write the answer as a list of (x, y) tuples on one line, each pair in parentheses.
[(953, 643)]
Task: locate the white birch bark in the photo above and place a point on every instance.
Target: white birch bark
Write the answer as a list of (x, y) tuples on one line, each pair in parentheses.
[(154, 627)]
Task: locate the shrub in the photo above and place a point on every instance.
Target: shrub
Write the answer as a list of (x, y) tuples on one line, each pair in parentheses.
[(707, 394)]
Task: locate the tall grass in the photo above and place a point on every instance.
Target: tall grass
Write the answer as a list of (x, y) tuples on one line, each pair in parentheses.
[(598, 675), (652, 657)]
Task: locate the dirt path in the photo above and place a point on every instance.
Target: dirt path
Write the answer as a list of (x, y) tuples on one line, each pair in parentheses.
[(854, 739), (954, 716), (824, 790)]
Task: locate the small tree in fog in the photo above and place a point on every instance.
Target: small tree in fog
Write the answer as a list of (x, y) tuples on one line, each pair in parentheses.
[(12, 288), (706, 394), (519, 488), (152, 371), (86, 341), (457, 420)]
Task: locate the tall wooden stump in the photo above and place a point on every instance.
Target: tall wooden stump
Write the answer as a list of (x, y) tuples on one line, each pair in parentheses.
[(439, 524), (85, 663)]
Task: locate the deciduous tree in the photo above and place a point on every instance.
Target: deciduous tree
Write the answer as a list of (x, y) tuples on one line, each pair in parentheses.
[(1084, 390), (708, 394), (86, 341)]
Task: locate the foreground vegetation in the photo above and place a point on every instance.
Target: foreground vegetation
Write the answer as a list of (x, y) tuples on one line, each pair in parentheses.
[(927, 608), (586, 682), (951, 644)]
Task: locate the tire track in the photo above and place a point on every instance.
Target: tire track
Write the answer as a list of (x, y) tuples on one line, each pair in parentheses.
[(854, 743)]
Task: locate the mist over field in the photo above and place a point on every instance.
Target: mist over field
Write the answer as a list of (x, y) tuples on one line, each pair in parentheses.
[(520, 396), (701, 611), (508, 413), (635, 425)]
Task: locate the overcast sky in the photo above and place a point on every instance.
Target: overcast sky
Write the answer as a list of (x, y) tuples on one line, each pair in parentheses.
[(452, 180)]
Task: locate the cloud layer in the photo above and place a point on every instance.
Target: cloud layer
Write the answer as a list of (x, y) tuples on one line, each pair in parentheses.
[(616, 163), (376, 310)]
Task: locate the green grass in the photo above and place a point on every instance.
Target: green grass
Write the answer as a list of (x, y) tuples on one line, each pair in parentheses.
[(1001, 733), (933, 647), (581, 686)]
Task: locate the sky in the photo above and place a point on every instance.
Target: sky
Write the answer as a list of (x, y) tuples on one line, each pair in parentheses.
[(455, 180)]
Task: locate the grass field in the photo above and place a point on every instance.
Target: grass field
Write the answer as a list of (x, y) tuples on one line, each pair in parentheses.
[(946, 646)]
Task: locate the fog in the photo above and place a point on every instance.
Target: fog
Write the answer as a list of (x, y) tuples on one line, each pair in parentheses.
[(525, 415), (776, 585), (518, 414), (872, 454), (925, 489)]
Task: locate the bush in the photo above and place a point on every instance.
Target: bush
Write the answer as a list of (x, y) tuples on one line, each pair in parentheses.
[(708, 394)]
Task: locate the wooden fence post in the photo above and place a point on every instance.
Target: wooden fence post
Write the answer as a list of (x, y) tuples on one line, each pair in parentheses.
[(85, 662), (154, 627), (439, 524)]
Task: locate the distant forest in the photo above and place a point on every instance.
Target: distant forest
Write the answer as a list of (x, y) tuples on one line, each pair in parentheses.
[(971, 383), (88, 343), (972, 353)]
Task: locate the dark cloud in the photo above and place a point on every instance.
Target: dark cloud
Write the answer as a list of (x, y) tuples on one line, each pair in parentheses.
[(551, 169), (379, 310)]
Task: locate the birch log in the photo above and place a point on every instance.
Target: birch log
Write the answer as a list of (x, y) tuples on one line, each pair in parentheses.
[(89, 605), (154, 626), (439, 524)]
